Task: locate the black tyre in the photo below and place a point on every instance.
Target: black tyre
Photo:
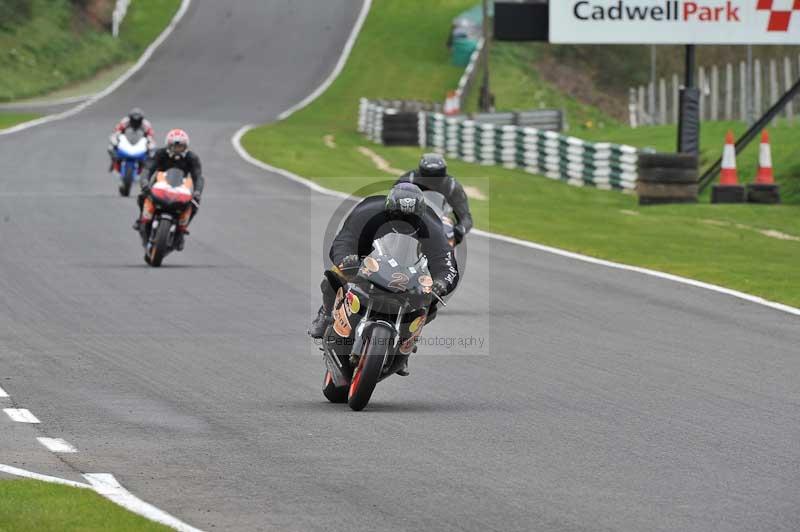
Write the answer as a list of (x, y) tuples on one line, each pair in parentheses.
[(127, 181), (331, 392), (160, 244), (368, 371), (668, 175), (668, 160)]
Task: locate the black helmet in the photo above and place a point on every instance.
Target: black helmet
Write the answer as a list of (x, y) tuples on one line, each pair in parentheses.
[(432, 165), (405, 200), (136, 117)]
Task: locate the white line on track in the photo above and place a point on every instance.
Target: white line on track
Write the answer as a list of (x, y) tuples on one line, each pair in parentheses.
[(237, 145), (57, 445), (20, 415), (3, 393), (107, 486), (17, 472), (148, 53)]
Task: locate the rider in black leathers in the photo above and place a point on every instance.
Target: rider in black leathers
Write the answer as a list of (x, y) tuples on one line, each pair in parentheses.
[(432, 175), (403, 211)]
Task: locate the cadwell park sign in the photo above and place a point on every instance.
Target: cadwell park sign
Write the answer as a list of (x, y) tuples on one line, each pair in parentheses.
[(675, 21)]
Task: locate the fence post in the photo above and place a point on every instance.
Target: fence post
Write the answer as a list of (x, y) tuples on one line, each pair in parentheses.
[(651, 102), (787, 83), (701, 79), (757, 97), (714, 93), (729, 92), (743, 89), (773, 85), (675, 98), (662, 101), (643, 118), (632, 108)]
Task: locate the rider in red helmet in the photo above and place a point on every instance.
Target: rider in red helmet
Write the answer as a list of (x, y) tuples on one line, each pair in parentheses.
[(175, 154)]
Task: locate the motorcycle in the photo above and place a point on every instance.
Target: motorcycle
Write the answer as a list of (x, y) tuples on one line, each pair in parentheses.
[(377, 319), (444, 211), (171, 193), (132, 150)]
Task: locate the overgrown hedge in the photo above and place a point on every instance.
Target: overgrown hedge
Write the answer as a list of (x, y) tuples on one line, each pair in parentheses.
[(13, 12)]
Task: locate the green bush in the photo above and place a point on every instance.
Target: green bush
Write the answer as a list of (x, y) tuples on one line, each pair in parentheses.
[(14, 12)]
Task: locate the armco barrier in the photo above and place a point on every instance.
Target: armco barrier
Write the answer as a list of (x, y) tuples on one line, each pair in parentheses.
[(575, 161)]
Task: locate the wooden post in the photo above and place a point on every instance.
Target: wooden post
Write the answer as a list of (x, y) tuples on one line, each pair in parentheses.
[(633, 108), (743, 91), (757, 97), (787, 84), (729, 92), (651, 102), (714, 93), (662, 101), (676, 98), (643, 118), (773, 83), (701, 84)]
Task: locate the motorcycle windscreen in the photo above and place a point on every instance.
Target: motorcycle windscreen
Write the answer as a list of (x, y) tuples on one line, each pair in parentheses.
[(134, 135), (402, 248)]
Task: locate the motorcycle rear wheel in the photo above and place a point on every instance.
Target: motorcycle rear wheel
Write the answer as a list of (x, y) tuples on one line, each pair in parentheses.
[(368, 371), (158, 249)]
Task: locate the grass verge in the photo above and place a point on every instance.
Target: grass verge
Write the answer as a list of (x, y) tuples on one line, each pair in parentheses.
[(28, 505), (746, 247), (8, 120), (50, 50)]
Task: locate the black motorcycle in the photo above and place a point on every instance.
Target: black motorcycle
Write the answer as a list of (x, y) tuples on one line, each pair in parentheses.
[(377, 320), (171, 193)]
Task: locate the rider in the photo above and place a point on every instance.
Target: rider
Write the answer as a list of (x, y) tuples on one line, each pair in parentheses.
[(175, 154), (432, 175), (136, 122), (403, 211)]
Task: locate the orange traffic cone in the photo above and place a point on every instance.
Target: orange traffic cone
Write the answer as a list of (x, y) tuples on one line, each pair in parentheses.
[(764, 176), (729, 190), (729, 175), (764, 190)]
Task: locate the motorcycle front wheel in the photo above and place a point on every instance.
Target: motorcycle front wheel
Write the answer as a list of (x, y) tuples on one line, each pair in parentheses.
[(127, 181), (158, 248), (368, 371)]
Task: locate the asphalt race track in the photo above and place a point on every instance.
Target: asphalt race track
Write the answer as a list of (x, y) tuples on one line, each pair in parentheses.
[(599, 400)]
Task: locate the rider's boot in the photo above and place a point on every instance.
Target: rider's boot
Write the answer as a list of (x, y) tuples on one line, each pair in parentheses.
[(320, 323), (180, 238)]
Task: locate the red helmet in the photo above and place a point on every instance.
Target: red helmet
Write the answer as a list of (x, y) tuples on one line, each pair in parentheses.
[(177, 143)]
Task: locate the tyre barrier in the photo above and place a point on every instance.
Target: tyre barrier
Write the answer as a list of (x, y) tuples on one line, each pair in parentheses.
[(667, 178), (536, 151)]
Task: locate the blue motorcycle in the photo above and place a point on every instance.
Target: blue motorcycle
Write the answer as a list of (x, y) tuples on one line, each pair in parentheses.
[(132, 151)]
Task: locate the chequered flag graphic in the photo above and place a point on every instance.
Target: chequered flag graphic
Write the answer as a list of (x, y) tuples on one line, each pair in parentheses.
[(780, 12)]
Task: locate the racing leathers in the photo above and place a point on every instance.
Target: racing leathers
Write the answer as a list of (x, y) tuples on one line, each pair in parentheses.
[(161, 161), (120, 129), (453, 193), (369, 221)]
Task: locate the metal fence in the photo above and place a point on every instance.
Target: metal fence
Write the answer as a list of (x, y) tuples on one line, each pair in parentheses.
[(726, 93)]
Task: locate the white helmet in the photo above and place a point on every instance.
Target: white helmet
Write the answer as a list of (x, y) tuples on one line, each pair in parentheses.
[(177, 143)]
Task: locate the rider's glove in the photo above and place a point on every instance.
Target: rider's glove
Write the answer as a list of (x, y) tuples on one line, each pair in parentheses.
[(350, 262), (459, 232), (439, 288)]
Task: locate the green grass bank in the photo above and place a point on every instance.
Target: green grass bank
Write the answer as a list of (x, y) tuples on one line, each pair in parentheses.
[(750, 248), (52, 47), (32, 506)]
